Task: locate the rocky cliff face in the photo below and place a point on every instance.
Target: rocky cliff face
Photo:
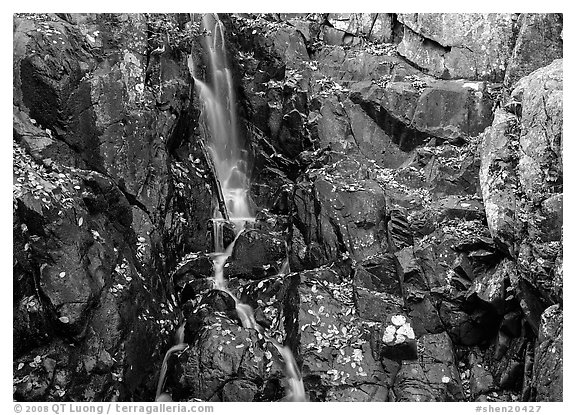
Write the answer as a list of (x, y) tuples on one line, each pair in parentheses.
[(409, 167), (108, 194)]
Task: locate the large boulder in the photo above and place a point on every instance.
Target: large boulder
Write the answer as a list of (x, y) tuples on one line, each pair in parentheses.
[(459, 45), (540, 163)]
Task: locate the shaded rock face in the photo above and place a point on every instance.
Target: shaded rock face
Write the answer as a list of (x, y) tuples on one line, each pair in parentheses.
[(340, 211), (102, 168), (435, 377), (407, 244)]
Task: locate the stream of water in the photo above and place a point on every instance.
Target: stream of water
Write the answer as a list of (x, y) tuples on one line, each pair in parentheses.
[(220, 117)]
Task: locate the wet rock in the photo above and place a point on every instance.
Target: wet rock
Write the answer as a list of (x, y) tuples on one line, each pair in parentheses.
[(223, 352), (433, 377), (538, 43), (35, 372), (256, 254), (548, 361), (239, 391), (454, 45), (91, 136), (196, 266)]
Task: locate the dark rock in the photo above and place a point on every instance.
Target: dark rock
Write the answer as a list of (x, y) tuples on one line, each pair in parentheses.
[(376, 306), (424, 316), (223, 352), (332, 343), (333, 126), (434, 377), (508, 370), (361, 393), (376, 27), (454, 207), (219, 301), (412, 277), (450, 172), (466, 329), (494, 287), (463, 272), (239, 391), (256, 254), (371, 140), (95, 144), (399, 232), (378, 274), (481, 380), (340, 212), (530, 300), (197, 266)]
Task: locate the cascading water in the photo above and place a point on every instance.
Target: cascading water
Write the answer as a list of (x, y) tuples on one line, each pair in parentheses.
[(219, 115)]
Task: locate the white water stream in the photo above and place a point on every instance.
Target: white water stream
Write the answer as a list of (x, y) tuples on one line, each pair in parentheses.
[(219, 115)]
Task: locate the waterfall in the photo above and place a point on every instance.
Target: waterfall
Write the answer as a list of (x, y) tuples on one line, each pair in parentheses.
[(229, 158), (219, 115)]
